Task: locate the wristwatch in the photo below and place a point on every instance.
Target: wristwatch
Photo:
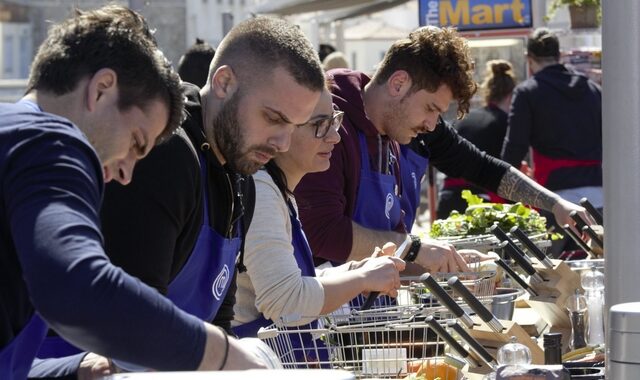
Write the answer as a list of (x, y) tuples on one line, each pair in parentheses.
[(414, 248)]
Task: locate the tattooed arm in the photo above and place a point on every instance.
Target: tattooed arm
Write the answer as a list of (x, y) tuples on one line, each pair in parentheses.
[(518, 187)]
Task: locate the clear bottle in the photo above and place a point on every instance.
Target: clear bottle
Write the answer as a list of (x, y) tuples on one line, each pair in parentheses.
[(577, 307), (593, 284), (552, 343), (511, 354)]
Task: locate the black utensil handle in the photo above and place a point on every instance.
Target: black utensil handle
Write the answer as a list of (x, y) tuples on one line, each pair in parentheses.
[(512, 247), (442, 333), (370, 301), (520, 260), (441, 295), (531, 246), (471, 300), (475, 346), (597, 216), (577, 238), (578, 219), (594, 236), (515, 277)]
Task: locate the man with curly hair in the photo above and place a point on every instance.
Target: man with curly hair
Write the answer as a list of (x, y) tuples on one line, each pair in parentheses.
[(370, 193)]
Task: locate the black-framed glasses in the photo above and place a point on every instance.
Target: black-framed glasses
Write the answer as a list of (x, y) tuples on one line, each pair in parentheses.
[(325, 124)]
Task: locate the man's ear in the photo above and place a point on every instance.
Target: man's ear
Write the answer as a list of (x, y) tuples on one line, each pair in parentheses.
[(102, 88), (224, 82), (398, 83)]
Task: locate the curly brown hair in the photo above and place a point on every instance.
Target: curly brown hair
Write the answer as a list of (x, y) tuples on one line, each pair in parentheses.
[(433, 56), (499, 81)]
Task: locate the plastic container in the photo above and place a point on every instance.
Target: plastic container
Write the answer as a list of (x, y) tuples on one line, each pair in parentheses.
[(624, 340)]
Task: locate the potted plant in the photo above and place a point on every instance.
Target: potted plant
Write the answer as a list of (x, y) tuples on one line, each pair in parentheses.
[(583, 13)]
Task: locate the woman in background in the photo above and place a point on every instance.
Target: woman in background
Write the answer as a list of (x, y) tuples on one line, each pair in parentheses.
[(486, 128), (281, 280)]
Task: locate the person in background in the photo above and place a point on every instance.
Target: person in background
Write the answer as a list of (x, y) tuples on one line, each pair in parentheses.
[(369, 194), (324, 50), (335, 60), (485, 128), (193, 66), (100, 95), (557, 113), (281, 278)]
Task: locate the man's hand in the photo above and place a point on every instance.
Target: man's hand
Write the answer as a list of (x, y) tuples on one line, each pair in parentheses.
[(563, 208), (93, 367), (436, 256)]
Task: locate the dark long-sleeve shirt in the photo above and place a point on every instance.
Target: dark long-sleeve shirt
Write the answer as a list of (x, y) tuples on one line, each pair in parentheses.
[(327, 200), (557, 112), (52, 259)]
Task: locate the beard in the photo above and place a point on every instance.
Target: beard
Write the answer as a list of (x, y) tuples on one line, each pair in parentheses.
[(229, 138)]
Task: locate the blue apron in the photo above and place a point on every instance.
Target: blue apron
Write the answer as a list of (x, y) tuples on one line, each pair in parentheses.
[(413, 168), (200, 286), (378, 205), (16, 358), (303, 344)]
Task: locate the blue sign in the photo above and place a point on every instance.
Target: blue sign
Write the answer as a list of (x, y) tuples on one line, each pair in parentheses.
[(476, 14)]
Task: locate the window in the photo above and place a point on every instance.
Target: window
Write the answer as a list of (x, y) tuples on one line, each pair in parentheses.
[(25, 60), (7, 54)]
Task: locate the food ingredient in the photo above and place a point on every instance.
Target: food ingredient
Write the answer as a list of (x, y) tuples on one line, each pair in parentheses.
[(431, 369), (480, 216)]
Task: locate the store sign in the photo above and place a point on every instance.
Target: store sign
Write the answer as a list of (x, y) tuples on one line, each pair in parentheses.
[(476, 14)]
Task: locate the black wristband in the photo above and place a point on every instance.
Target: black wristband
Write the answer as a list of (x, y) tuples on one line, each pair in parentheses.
[(226, 347), (413, 249)]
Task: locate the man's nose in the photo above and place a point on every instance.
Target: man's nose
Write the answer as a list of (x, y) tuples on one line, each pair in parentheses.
[(282, 140), (125, 170)]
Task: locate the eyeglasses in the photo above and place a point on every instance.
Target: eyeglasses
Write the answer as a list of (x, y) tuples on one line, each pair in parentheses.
[(323, 125)]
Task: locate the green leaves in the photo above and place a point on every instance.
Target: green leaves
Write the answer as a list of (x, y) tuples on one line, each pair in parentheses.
[(480, 216)]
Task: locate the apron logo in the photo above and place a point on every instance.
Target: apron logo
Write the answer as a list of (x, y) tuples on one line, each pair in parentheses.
[(415, 180), (388, 205), (220, 283)]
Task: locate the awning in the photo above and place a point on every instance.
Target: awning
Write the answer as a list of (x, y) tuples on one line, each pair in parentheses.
[(285, 8)]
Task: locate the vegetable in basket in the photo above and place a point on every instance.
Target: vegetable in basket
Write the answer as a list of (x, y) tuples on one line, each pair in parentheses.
[(479, 216)]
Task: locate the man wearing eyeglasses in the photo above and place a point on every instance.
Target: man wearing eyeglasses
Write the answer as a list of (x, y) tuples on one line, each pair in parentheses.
[(369, 194), (179, 226)]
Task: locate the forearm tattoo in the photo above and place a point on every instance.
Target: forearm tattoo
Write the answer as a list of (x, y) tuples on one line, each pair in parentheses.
[(517, 187)]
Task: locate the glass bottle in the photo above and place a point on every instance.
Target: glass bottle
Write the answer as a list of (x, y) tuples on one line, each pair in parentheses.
[(593, 284), (577, 307), (552, 343)]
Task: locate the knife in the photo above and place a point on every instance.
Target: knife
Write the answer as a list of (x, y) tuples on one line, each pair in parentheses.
[(531, 246), (577, 239), (475, 304), (502, 236), (446, 299), (514, 276), (451, 341), (516, 254), (597, 216), (373, 295), (473, 344), (584, 227)]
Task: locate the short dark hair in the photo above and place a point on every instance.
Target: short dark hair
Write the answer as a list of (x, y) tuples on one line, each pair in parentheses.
[(433, 56), (112, 37), (257, 46), (543, 45), (193, 66)]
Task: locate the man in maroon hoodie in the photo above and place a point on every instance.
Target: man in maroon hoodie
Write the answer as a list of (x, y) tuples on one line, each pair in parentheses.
[(368, 196)]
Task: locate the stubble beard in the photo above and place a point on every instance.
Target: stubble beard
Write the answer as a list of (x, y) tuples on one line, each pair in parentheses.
[(229, 139)]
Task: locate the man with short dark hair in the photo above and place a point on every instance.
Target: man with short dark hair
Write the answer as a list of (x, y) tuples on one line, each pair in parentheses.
[(100, 95), (369, 194), (558, 113)]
